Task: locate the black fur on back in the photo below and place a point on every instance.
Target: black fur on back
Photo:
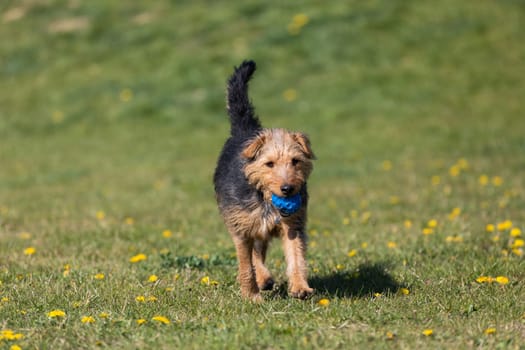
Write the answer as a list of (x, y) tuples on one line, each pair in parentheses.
[(231, 186)]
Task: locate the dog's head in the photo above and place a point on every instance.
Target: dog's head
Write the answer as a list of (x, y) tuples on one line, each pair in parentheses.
[(278, 161)]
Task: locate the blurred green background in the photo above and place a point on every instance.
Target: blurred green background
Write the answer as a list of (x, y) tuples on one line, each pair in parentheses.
[(102, 99), (112, 115)]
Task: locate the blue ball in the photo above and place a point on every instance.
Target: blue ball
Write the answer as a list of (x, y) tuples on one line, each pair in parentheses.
[(287, 205)]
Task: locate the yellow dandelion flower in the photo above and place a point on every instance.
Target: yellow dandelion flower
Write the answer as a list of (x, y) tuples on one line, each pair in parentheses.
[(352, 253), (161, 319), (159, 184), (167, 233), (4, 299), (100, 215), (126, 95), (427, 231), (137, 258), (8, 334), (485, 279), (435, 180), (427, 332), (518, 243), (454, 213), (515, 232), (490, 228), (432, 223), (324, 302), (153, 278), (87, 319), (497, 181), (99, 276), (297, 23), (56, 313), (15, 347), (378, 295), (24, 235), (490, 330), (103, 315), (407, 223), (517, 251), (387, 165), (365, 217), (404, 291), (391, 245), (454, 171), (463, 164), (140, 298), (454, 239), (205, 280), (140, 321), (504, 225), (57, 117), (390, 335), (152, 298), (290, 95), (29, 251), (502, 280), (483, 180)]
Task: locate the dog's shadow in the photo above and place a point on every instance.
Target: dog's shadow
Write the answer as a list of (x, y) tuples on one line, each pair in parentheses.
[(363, 281)]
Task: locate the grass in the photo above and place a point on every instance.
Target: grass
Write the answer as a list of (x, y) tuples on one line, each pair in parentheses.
[(112, 116)]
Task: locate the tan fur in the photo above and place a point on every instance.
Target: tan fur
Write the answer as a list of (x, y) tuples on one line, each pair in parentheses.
[(279, 147), (276, 157)]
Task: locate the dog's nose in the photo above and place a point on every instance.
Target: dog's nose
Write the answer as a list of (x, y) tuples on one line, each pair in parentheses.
[(286, 189)]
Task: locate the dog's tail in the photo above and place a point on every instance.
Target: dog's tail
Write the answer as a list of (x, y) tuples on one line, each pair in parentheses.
[(242, 116)]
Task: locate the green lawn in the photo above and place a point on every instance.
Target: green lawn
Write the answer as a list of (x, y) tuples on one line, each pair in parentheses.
[(112, 115)]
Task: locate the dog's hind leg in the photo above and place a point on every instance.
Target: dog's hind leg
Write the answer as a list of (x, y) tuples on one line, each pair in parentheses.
[(263, 276)]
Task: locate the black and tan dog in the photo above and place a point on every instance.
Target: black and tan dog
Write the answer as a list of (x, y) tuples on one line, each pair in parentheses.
[(260, 184)]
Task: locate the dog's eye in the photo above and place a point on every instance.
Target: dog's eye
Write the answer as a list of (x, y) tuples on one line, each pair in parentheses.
[(269, 164), (295, 161)]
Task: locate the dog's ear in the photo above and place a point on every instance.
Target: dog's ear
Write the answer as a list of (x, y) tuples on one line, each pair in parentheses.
[(251, 151), (304, 143)]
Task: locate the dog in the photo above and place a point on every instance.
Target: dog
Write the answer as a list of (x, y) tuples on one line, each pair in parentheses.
[(260, 186)]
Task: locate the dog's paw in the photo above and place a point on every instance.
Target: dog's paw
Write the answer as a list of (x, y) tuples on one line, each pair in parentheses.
[(266, 284), (253, 296), (256, 298), (302, 293)]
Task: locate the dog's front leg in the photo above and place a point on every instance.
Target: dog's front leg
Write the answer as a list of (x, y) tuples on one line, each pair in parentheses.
[(244, 248), (263, 276), (294, 246)]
